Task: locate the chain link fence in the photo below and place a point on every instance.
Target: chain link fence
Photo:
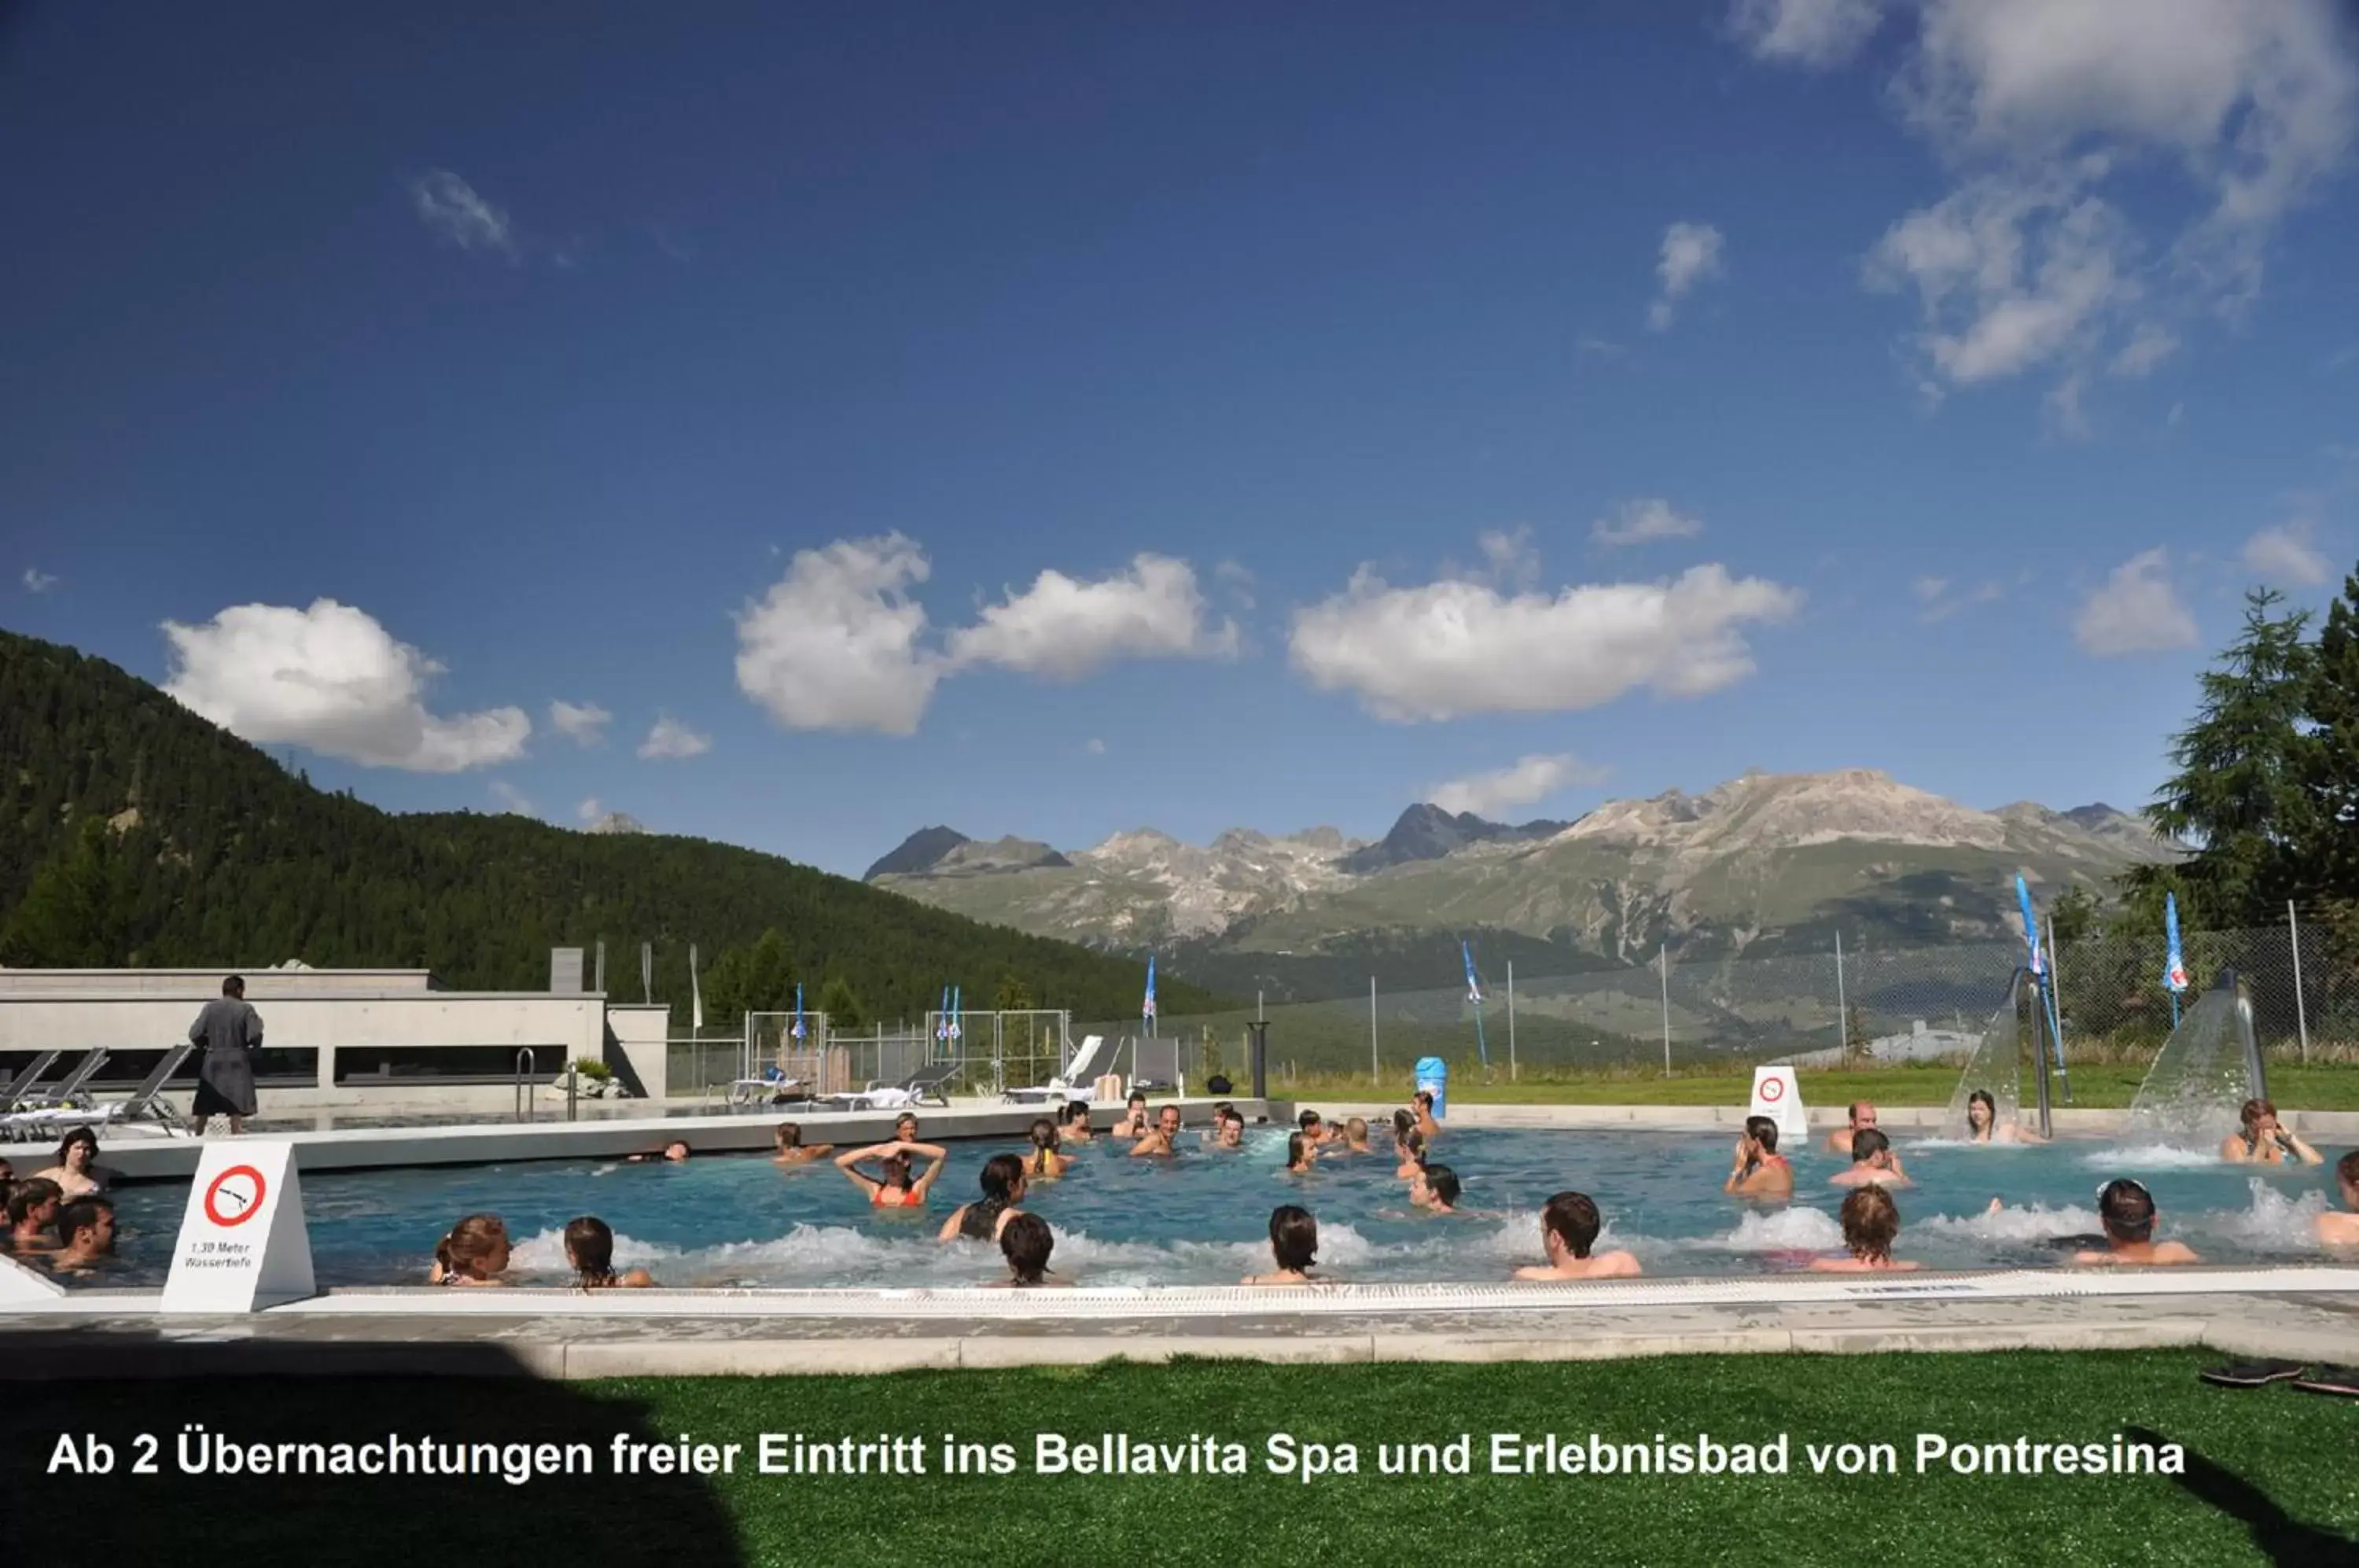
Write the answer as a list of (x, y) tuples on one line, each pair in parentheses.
[(1880, 1003)]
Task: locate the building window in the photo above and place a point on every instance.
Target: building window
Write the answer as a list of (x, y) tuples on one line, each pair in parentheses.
[(358, 1066)]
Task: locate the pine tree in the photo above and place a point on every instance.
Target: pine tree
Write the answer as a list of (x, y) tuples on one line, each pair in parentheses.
[(2329, 879), (2238, 798), (842, 1008)]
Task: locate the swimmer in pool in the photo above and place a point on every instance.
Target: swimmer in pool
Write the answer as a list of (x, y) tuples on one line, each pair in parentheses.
[(1026, 1242), (1421, 1106), (2127, 1212), (1160, 1142), (2261, 1142), (33, 1206), (1077, 1124), (1314, 1131), (78, 1172), (1873, 1163), (1435, 1189), (1046, 1162), (1760, 1171), (905, 1126), (85, 1234), (1413, 1155), (793, 1150), (1301, 1154), (1229, 1131), (1871, 1221), (1355, 1135), (672, 1153), (1862, 1118), (1982, 1122), (1134, 1123), (475, 1252), (1568, 1225), (1003, 1188), (2343, 1229), (1293, 1246), (590, 1253), (893, 1188)]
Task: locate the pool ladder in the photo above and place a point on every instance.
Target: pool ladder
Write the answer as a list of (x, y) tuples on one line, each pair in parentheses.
[(523, 1063)]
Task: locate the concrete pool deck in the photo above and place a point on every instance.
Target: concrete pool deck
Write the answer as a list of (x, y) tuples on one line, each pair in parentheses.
[(515, 1337)]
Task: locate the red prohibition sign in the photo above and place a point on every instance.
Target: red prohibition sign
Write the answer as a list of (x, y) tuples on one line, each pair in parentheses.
[(1772, 1088), (246, 1206)]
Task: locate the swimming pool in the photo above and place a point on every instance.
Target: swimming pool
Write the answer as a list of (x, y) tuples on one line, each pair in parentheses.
[(1203, 1219)]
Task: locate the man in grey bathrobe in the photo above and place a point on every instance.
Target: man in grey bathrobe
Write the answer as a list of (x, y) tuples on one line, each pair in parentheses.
[(230, 1031)]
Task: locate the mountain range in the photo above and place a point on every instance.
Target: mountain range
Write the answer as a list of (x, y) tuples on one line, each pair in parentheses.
[(1763, 864)]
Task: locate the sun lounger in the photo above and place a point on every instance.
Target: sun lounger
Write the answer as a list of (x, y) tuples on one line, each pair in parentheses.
[(67, 1090), (772, 1088), (1077, 1081), (146, 1103), (25, 1081), (922, 1087)]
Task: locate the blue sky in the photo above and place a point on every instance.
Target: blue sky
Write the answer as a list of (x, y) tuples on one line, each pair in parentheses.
[(1395, 394)]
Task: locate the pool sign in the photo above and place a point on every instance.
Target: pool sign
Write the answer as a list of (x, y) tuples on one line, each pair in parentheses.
[(244, 1245), (1779, 1097)]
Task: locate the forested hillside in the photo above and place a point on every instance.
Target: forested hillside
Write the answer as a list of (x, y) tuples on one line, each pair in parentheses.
[(132, 832)]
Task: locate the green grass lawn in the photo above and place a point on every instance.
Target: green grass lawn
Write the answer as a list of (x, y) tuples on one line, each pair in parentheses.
[(2096, 1085), (2271, 1473)]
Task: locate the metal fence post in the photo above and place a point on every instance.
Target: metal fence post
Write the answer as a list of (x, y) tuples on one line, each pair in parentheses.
[(2300, 1011)]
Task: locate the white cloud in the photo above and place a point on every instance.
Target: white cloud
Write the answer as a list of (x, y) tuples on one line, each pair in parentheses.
[(835, 643), (452, 208), (2145, 351), (1096, 747), (511, 799), (331, 678), (38, 581), (1691, 253), (1647, 518), (2046, 108), (1237, 580), (1814, 33), (1531, 779), (590, 811), (2136, 610), (2067, 415), (583, 723), (1939, 603), (671, 738), (1456, 646), (1062, 629), (2285, 554)]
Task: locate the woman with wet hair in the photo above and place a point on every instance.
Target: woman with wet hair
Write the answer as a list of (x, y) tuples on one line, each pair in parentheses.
[(1003, 1185), (1077, 1123), (1871, 1223), (1982, 1125), (1412, 1153), (1045, 1163), (1301, 1154), (77, 1171), (792, 1150), (475, 1252), (590, 1253), (1293, 1246), (2262, 1140)]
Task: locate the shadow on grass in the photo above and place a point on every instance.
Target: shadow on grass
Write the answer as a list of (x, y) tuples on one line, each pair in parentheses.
[(114, 1388), (2284, 1539)]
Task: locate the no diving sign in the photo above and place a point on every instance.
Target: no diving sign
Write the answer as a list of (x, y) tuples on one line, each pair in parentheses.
[(1777, 1096), (243, 1244)]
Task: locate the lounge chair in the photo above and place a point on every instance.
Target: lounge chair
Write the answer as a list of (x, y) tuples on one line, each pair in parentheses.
[(923, 1087), (146, 1103), (1074, 1083), (773, 1088), (15, 1092), (67, 1090)]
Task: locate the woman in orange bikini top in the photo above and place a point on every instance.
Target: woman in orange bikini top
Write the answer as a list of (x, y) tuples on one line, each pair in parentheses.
[(893, 1189)]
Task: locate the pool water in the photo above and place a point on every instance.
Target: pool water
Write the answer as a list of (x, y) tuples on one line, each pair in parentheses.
[(1202, 1218)]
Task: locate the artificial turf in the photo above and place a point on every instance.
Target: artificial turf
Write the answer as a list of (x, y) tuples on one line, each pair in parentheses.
[(2272, 1474)]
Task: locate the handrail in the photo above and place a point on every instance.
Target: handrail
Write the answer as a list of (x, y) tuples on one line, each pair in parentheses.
[(524, 1064)]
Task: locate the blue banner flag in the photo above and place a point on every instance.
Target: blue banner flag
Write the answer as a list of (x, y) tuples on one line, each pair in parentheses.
[(1146, 1008), (1474, 986), (2174, 969), (2030, 925)]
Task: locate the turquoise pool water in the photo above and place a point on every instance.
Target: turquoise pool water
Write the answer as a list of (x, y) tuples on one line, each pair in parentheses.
[(1203, 1217)]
